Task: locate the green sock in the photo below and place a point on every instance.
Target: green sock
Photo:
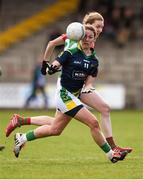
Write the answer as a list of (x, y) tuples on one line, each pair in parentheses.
[(106, 148), (30, 136)]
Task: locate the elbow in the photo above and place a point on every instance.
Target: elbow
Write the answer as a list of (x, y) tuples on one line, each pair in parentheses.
[(52, 44)]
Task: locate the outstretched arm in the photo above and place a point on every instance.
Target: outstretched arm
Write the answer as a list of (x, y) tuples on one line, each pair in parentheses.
[(51, 46), (49, 50)]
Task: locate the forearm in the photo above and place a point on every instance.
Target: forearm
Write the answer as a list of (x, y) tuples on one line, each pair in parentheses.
[(89, 81), (49, 51), (51, 46)]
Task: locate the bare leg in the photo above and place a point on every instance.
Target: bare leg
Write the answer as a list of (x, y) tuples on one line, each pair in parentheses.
[(17, 121), (86, 117), (95, 101), (42, 120), (56, 128)]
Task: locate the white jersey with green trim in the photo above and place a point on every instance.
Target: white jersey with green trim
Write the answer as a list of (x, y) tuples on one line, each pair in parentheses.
[(70, 44)]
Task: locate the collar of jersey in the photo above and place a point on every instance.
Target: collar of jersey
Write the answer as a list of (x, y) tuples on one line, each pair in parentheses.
[(93, 54)]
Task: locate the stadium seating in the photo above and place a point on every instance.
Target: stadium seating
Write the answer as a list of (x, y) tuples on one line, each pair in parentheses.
[(27, 27)]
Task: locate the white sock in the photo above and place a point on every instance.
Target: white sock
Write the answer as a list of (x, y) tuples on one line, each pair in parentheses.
[(110, 154)]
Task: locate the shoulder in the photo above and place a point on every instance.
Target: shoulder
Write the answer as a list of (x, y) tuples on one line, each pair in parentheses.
[(95, 62), (72, 50), (70, 44), (95, 57), (65, 54)]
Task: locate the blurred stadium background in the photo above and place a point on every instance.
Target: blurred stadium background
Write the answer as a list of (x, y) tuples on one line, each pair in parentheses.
[(26, 27)]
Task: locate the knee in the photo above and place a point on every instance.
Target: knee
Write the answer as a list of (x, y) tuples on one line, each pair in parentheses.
[(56, 132), (94, 125), (105, 109)]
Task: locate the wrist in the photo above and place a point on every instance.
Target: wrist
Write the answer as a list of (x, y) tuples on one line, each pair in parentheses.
[(44, 60)]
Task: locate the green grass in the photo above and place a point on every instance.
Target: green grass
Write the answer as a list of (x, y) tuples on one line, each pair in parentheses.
[(73, 154)]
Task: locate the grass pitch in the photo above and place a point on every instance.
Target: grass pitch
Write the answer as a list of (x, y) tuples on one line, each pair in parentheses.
[(73, 154)]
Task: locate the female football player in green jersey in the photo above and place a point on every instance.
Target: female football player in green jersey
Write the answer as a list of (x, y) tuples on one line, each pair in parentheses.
[(89, 96), (77, 64)]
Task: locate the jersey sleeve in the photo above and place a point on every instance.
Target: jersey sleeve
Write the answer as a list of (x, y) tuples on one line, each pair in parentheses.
[(64, 57), (94, 69), (64, 36)]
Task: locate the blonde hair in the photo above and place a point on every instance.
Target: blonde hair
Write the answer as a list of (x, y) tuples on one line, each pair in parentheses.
[(91, 28), (91, 17)]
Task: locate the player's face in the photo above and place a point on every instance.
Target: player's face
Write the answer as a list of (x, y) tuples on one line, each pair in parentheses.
[(88, 39), (98, 25)]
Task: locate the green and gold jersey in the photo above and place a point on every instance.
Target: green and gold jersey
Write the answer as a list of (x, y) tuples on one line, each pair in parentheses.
[(76, 66)]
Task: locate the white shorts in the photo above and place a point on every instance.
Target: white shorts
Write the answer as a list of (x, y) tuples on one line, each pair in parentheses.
[(67, 102)]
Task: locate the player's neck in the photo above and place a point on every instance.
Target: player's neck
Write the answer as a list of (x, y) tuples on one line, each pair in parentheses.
[(87, 51)]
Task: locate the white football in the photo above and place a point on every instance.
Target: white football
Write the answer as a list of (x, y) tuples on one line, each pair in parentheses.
[(75, 31)]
